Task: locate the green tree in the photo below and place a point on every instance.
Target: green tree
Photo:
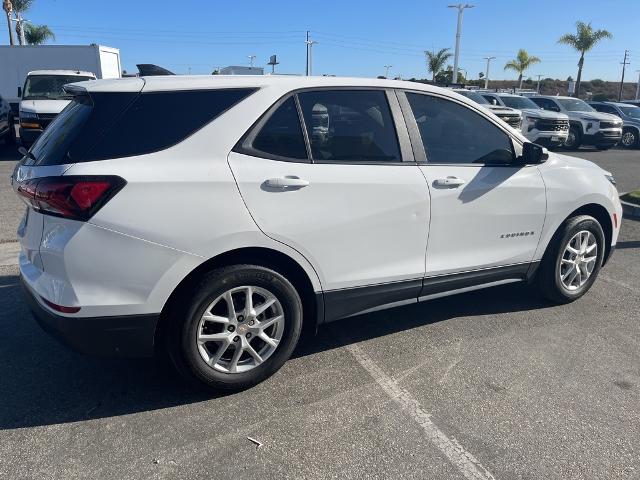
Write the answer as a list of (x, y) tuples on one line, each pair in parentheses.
[(582, 41), (444, 76), (7, 6), (436, 60), (20, 7), (521, 64), (37, 34)]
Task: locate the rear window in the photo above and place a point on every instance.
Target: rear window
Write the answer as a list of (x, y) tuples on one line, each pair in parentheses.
[(116, 125)]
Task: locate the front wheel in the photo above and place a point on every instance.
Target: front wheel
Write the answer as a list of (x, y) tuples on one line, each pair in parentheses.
[(574, 139), (572, 260), (238, 328), (629, 138)]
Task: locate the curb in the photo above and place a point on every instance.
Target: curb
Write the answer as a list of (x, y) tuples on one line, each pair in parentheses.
[(630, 210)]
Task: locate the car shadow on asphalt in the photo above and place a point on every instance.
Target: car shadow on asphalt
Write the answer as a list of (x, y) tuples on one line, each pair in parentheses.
[(43, 383)]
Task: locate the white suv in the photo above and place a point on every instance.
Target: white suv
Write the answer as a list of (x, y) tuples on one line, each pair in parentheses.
[(544, 127), (214, 217)]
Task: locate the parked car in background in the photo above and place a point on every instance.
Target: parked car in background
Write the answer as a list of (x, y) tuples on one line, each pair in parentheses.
[(586, 125), (632, 102), (5, 124), (365, 177), (544, 127), (43, 98), (511, 117), (630, 115)]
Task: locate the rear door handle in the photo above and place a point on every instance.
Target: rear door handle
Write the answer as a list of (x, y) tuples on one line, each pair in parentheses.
[(287, 182), (449, 182)]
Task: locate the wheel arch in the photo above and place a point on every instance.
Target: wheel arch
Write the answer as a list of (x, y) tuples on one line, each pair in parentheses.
[(312, 301), (601, 214)]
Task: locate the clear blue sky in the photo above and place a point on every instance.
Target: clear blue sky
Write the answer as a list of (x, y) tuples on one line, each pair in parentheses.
[(355, 37)]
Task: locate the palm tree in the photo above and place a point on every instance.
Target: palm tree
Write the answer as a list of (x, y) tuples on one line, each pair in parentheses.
[(20, 7), (582, 41), (435, 61), (37, 34), (521, 64), (8, 8)]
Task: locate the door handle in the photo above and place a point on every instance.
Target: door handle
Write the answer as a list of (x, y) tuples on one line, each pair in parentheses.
[(287, 182), (449, 182)]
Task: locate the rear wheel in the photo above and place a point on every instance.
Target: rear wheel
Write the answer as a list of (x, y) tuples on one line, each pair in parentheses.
[(574, 139), (572, 260), (629, 138), (239, 327)]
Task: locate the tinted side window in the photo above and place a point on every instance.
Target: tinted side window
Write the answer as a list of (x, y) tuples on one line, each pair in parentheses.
[(158, 120), (452, 133), (546, 104), (281, 135), (350, 126)]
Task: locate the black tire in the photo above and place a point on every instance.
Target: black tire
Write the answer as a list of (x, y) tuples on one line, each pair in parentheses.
[(629, 138), (574, 139), (181, 338), (548, 275)]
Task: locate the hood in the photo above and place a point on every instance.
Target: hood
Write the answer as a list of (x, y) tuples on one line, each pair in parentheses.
[(546, 114), (500, 109), (44, 106), (561, 160), (597, 116)]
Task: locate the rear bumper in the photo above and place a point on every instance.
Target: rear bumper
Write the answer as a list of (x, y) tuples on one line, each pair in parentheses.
[(121, 336)]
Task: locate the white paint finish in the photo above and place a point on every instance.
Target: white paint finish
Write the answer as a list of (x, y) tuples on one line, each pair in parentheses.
[(571, 183), (459, 457), (467, 221), (357, 224)]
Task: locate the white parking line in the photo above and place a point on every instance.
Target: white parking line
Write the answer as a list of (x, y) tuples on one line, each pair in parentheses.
[(9, 253), (457, 455)]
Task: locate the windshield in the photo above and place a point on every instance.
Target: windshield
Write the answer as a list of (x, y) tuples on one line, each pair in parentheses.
[(476, 97), (575, 105), (49, 87), (519, 103), (631, 111)]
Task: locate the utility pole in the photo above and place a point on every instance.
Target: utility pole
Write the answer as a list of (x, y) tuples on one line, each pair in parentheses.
[(538, 87), (8, 8), (310, 44), (638, 86), (486, 73), (460, 7), (251, 58), (624, 64), (386, 71)]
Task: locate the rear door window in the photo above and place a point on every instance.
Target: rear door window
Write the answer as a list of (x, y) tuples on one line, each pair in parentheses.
[(350, 126), (281, 135)]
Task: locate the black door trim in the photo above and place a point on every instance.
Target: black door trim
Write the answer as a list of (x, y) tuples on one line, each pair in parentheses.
[(346, 302)]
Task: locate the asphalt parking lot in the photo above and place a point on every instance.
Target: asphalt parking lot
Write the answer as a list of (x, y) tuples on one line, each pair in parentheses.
[(490, 384)]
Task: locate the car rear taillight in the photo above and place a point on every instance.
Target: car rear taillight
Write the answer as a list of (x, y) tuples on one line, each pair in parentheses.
[(74, 197)]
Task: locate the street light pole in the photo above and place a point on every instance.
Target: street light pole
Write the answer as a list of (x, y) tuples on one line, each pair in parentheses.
[(310, 44), (538, 87), (638, 86), (386, 71), (486, 74), (460, 7)]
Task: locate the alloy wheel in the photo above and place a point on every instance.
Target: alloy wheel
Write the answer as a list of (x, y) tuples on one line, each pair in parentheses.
[(578, 260), (240, 329), (628, 139)]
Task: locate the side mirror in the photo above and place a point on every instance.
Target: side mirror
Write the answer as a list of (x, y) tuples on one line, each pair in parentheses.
[(533, 154), (20, 92)]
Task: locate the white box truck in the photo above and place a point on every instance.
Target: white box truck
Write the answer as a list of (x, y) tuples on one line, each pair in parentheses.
[(31, 79)]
